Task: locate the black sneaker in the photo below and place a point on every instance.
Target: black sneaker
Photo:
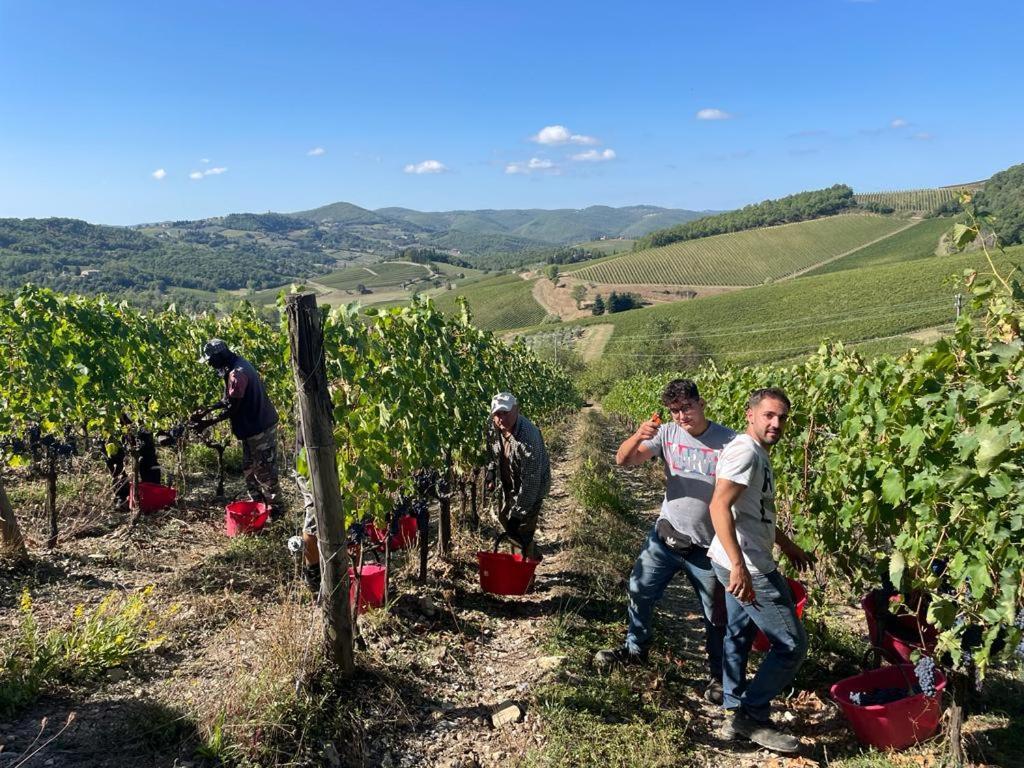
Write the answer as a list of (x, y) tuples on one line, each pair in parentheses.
[(743, 726), (713, 692), (621, 655)]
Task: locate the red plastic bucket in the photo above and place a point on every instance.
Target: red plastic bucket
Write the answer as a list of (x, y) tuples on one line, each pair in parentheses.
[(897, 649), (153, 497), (244, 517), (502, 573), (895, 725), (371, 591), (761, 642), (406, 535), (403, 538)]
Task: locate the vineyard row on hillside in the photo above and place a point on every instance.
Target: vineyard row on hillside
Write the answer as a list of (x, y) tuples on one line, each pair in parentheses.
[(743, 258)]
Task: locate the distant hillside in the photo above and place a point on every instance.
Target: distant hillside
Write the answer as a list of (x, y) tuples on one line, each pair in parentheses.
[(789, 319), (560, 226), (785, 210), (340, 213), (74, 256), (741, 258)]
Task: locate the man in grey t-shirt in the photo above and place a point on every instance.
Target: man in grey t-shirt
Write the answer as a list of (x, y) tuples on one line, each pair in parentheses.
[(757, 596), (689, 446)]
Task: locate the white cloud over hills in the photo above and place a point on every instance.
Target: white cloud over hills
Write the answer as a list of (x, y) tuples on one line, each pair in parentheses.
[(427, 166)]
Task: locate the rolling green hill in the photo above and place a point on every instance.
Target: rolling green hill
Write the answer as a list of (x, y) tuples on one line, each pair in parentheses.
[(387, 274), (750, 257), (775, 322), (497, 303), (917, 242)]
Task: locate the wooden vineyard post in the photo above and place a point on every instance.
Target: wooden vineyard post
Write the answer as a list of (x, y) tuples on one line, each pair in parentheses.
[(11, 539), (306, 342)]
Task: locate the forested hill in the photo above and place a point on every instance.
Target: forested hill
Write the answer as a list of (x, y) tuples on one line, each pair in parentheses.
[(249, 250), (74, 256), (785, 210)]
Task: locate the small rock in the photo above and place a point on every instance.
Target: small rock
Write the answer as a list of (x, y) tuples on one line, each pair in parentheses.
[(427, 607), (116, 674), (505, 713), (331, 754), (548, 663)]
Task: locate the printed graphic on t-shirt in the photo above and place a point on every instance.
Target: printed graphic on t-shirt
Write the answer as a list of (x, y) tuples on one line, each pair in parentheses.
[(688, 458), (767, 496)]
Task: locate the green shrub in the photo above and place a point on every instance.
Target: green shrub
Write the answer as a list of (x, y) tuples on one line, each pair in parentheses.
[(599, 490), (119, 629)]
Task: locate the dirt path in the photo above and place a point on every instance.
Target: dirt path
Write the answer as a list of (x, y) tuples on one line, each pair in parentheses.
[(595, 339), (556, 301)]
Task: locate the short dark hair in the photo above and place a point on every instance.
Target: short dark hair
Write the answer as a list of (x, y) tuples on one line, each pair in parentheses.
[(679, 389), (775, 393)]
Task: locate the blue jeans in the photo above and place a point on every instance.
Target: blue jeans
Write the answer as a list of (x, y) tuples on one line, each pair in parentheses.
[(774, 613), (654, 569)]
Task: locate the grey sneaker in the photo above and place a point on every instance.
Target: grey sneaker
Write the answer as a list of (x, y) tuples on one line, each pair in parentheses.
[(713, 692), (742, 726), (621, 655)]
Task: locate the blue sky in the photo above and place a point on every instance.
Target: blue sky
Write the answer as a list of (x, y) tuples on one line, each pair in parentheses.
[(108, 110)]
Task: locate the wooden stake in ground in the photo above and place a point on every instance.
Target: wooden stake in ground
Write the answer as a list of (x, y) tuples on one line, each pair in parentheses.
[(306, 341)]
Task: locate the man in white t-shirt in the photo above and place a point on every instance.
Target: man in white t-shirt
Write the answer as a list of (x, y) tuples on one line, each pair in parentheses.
[(757, 595), (689, 446)]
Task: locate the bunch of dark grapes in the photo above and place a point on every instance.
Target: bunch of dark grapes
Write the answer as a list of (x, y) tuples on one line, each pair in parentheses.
[(877, 696), (924, 670)]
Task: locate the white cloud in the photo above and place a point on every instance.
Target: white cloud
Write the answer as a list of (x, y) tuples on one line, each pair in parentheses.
[(205, 161), (159, 174), (427, 166), (196, 175), (709, 113), (553, 135), (531, 165), (317, 151), (595, 155), (899, 122), (922, 136)]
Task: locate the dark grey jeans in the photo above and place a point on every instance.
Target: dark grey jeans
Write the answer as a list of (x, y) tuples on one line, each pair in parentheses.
[(774, 613)]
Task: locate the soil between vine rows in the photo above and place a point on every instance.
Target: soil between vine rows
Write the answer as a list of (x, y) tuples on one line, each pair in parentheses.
[(432, 668)]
